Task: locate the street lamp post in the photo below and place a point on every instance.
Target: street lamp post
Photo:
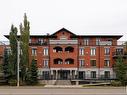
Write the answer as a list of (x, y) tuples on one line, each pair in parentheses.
[(18, 60)]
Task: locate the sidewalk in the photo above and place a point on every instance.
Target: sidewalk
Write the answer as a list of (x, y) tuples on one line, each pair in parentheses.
[(64, 86)]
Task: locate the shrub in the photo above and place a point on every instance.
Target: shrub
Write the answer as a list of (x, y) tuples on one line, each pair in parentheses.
[(12, 82), (116, 83)]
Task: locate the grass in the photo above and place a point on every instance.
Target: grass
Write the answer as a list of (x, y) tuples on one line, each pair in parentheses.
[(99, 85)]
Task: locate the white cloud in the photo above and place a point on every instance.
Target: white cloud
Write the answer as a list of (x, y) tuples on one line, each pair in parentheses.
[(79, 16)]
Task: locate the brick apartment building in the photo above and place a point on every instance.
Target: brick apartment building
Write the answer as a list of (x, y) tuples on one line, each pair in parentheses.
[(65, 55)]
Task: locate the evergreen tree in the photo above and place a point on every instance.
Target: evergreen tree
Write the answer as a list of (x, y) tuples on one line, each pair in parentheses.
[(33, 69), (13, 54), (121, 70), (24, 44), (31, 77), (6, 65)]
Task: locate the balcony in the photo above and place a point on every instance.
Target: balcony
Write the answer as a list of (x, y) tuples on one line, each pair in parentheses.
[(103, 43), (109, 43), (37, 43), (117, 54), (63, 41)]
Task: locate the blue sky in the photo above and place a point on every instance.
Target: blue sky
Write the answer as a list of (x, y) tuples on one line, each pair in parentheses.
[(79, 16)]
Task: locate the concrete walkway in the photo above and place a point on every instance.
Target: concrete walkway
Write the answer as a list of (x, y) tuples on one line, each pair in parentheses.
[(64, 86)]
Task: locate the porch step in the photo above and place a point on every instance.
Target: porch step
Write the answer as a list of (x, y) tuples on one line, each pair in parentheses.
[(47, 82), (63, 82), (2, 81)]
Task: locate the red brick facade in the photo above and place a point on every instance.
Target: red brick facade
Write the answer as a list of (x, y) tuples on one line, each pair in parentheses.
[(63, 39)]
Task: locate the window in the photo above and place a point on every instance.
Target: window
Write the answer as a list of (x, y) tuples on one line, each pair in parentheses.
[(81, 63), (107, 74), (93, 51), (107, 51), (97, 41), (93, 74), (119, 51), (93, 63), (69, 61), (106, 63), (58, 61), (69, 49), (34, 51), (46, 63), (46, 51), (57, 49), (81, 51), (86, 41)]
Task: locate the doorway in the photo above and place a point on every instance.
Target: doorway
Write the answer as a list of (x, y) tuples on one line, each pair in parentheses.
[(63, 74)]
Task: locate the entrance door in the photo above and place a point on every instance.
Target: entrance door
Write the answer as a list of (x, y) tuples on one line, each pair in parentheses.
[(46, 75), (81, 75), (63, 74)]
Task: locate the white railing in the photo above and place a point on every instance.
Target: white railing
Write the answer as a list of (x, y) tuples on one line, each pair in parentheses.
[(63, 41), (105, 43)]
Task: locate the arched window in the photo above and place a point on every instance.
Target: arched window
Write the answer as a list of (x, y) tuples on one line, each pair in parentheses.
[(69, 61), (57, 49), (58, 61), (69, 49)]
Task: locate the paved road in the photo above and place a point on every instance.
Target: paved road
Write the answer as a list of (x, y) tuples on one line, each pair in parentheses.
[(62, 91)]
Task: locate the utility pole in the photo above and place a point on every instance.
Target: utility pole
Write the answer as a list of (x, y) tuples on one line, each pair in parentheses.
[(18, 60)]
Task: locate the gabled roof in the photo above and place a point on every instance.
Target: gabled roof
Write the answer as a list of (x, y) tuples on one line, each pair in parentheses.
[(65, 30), (36, 36), (72, 36), (111, 36)]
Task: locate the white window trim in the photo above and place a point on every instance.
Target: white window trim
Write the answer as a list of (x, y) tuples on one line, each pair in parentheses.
[(108, 63), (46, 51), (35, 52), (105, 50), (81, 51), (93, 52), (81, 64), (45, 64)]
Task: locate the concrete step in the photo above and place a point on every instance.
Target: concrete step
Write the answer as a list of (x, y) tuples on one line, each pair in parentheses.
[(63, 82)]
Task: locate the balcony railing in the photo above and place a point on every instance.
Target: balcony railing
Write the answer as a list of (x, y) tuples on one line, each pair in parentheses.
[(89, 43), (103, 43), (63, 41), (122, 54), (37, 43), (118, 53)]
